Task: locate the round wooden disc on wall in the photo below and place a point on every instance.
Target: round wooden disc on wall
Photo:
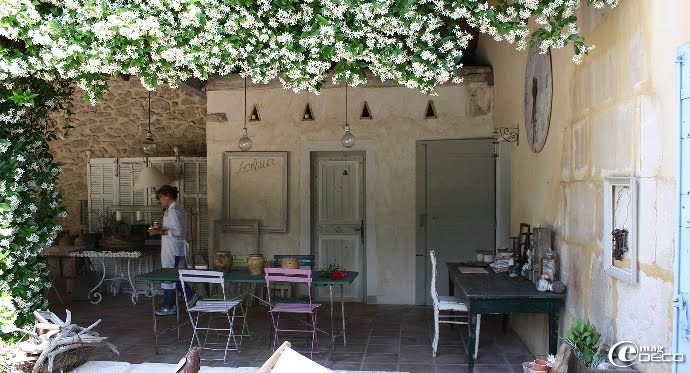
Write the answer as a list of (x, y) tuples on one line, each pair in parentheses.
[(538, 97)]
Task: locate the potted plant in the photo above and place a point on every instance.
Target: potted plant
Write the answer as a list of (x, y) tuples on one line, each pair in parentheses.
[(587, 346)]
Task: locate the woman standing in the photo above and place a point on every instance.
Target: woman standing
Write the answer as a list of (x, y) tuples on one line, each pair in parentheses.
[(173, 246)]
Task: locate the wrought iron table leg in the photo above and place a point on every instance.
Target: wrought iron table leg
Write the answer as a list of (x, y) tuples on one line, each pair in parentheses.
[(330, 297), (135, 295), (155, 319), (116, 276), (342, 315), (97, 294)]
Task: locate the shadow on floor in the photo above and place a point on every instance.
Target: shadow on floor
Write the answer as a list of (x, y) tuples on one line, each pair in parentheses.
[(379, 337)]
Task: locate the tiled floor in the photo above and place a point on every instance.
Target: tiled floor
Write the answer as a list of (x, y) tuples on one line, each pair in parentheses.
[(379, 337)]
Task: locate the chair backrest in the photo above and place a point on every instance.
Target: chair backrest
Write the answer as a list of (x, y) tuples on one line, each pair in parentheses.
[(201, 276), (434, 293), (300, 276), (304, 260)]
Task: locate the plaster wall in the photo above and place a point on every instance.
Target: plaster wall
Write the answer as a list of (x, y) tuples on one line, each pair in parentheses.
[(464, 111), (612, 115), (117, 126)]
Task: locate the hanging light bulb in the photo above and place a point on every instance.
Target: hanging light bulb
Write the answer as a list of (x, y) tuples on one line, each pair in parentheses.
[(348, 138), (149, 146), (245, 142)]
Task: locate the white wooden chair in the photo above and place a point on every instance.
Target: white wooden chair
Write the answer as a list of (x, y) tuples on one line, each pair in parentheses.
[(449, 305)]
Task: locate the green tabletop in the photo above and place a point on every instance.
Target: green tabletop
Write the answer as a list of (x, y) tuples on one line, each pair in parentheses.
[(242, 276)]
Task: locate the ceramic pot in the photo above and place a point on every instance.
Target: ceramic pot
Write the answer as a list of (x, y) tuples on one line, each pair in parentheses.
[(222, 260), (290, 263), (540, 366), (255, 264)]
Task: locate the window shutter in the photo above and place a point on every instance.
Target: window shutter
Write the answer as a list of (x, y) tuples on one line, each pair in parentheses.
[(101, 189), (126, 195), (194, 199)]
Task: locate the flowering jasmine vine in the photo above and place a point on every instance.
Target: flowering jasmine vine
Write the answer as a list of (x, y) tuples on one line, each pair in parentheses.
[(46, 46), (30, 205), (417, 44)]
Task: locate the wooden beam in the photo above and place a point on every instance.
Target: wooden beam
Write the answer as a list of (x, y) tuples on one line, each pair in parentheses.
[(470, 74), (194, 86)]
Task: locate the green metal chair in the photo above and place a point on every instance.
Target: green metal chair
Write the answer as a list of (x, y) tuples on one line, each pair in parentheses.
[(238, 292)]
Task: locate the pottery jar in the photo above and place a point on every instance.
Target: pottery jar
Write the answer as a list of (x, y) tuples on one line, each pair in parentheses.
[(222, 260), (540, 366), (255, 264), (290, 263)]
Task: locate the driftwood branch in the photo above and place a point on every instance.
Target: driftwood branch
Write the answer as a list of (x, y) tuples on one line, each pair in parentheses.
[(52, 337)]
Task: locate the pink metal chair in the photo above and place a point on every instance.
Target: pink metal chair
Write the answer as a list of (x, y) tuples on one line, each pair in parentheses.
[(301, 276)]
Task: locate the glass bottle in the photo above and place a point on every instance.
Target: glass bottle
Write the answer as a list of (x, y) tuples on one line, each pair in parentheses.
[(549, 266)]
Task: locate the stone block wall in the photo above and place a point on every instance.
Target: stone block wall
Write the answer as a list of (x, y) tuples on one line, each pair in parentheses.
[(117, 126), (612, 115)]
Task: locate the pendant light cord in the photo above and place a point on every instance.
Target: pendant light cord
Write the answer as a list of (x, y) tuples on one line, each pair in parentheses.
[(346, 124), (245, 105), (149, 96)]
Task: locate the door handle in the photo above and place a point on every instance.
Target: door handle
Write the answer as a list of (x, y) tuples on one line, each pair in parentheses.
[(680, 302), (361, 230)]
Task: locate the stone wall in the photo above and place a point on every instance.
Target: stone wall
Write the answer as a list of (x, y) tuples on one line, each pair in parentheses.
[(117, 126), (613, 115)]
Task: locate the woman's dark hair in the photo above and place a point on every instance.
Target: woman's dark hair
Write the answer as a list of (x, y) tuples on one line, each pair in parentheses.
[(167, 190)]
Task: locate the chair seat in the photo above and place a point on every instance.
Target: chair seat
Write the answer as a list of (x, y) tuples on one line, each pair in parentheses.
[(295, 307), (451, 303), (213, 306)]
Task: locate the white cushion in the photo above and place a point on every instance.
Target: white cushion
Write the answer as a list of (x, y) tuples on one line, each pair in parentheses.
[(292, 361)]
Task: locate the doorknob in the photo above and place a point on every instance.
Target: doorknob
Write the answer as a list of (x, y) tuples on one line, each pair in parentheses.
[(360, 229)]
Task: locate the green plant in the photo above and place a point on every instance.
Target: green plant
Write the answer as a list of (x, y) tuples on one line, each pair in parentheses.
[(417, 44), (30, 203), (586, 343), (333, 271)]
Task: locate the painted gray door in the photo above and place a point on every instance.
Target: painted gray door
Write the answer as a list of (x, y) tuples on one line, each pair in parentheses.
[(338, 215), (681, 327), (460, 203)]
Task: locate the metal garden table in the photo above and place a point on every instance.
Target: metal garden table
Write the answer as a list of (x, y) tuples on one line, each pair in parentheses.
[(123, 268), (242, 276)]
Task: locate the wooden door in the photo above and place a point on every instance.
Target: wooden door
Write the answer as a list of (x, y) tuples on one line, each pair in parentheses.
[(681, 326), (460, 203), (338, 215)]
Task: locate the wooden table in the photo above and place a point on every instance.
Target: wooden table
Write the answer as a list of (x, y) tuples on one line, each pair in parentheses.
[(242, 276), (486, 293)]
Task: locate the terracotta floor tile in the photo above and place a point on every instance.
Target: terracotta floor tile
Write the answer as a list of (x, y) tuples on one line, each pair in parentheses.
[(380, 337)]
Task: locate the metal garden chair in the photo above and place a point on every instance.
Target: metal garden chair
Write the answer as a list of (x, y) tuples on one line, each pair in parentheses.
[(286, 290), (299, 276), (209, 307)]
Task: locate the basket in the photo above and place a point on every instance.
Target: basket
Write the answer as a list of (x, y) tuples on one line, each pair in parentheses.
[(122, 242), (63, 362)]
